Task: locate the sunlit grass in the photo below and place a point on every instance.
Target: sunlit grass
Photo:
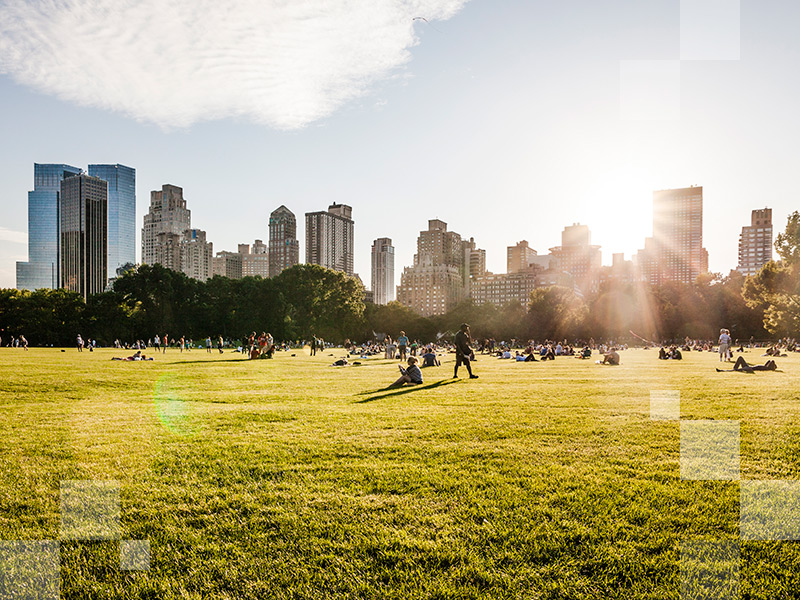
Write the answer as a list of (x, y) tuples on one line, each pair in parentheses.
[(288, 478)]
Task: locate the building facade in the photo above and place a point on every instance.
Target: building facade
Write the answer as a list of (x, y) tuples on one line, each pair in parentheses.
[(329, 238), (284, 249), (41, 270), (435, 283), (519, 257), (83, 211), (168, 215), (228, 264), (675, 252), (196, 255), (382, 281), (755, 242), (505, 288), (577, 257), (121, 214), (255, 259)]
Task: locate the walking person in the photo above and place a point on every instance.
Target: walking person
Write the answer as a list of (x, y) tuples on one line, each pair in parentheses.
[(79, 342), (463, 351)]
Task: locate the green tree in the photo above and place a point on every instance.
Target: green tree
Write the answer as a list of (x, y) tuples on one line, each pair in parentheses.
[(321, 302), (556, 312)]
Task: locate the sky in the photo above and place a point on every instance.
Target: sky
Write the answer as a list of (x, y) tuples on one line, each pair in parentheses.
[(509, 120)]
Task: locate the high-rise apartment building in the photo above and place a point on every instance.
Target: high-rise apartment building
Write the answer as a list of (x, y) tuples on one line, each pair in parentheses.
[(577, 257), (83, 212), (474, 260), (42, 267), (329, 238), (228, 264), (382, 271), (435, 283), (168, 215), (675, 252), (255, 259), (755, 242), (196, 255), (284, 249), (121, 214), (519, 257)]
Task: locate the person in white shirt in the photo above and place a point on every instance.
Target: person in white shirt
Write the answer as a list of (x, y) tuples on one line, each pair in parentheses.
[(724, 344)]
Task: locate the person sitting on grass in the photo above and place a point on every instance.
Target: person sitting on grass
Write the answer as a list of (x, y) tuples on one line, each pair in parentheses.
[(412, 374), (741, 365), (429, 359), (610, 358)]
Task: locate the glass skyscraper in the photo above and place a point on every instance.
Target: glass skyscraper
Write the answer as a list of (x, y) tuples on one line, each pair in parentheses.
[(84, 234), (42, 268), (121, 214)]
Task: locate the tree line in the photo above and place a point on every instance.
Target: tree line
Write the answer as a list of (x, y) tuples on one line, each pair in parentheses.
[(308, 300)]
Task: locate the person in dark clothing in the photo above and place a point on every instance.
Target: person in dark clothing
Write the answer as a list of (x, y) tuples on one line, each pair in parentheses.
[(463, 351), (741, 365)]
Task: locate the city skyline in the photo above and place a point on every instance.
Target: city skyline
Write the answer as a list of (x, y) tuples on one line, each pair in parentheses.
[(517, 109)]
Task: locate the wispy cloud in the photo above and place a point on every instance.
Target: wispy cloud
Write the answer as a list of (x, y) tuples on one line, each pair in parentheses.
[(282, 63), (16, 237)]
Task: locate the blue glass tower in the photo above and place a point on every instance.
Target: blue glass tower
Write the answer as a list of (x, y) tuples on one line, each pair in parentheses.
[(121, 214), (41, 270)]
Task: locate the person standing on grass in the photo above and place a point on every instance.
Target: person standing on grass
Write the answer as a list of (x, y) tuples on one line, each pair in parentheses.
[(402, 345), (23, 342), (463, 351), (724, 344), (79, 342), (166, 343)]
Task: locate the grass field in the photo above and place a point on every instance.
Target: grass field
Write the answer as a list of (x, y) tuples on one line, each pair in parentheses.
[(288, 478)]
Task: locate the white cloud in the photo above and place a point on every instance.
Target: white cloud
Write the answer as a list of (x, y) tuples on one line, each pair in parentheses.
[(282, 63), (16, 237)]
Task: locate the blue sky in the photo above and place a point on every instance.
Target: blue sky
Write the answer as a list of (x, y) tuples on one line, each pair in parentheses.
[(502, 118)]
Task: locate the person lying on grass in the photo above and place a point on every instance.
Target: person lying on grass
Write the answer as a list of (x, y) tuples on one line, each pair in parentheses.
[(412, 374), (137, 356), (741, 365)]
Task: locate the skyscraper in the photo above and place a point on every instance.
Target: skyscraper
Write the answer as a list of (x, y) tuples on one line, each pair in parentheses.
[(121, 214), (168, 215), (577, 257), (196, 255), (675, 252), (435, 283), (284, 249), (83, 210), (329, 238), (519, 257), (382, 271), (42, 268), (755, 242)]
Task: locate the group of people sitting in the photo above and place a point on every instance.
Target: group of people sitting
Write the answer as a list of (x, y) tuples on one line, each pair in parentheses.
[(671, 353)]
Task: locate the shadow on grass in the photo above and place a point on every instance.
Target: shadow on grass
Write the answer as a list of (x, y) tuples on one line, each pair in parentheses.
[(403, 390), (217, 360)]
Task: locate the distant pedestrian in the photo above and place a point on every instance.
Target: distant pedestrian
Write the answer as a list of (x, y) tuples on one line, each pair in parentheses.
[(724, 344), (220, 344), (166, 343), (24, 342), (208, 344), (463, 351), (402, 345), (79, 342)]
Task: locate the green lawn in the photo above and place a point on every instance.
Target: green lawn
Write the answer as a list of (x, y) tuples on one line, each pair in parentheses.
[(288, 478)]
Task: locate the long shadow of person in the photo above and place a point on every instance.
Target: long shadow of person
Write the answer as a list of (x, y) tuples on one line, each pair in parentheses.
[(404, 390)]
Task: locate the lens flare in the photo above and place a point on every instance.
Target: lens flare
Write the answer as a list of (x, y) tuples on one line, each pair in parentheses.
[(172, 410)]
